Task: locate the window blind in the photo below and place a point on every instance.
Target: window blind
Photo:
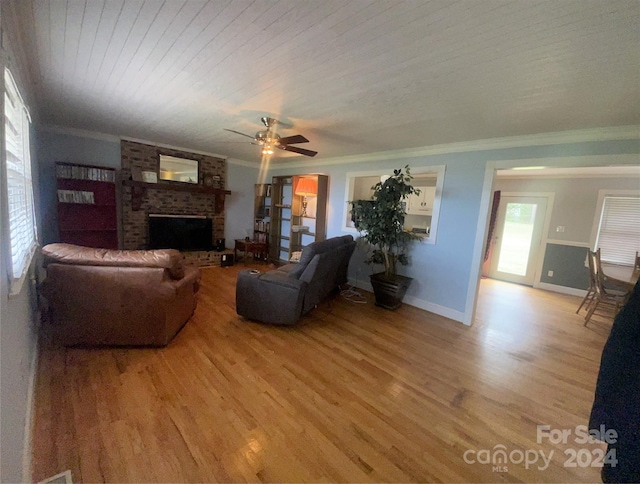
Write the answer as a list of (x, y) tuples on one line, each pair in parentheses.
[(619, 231), (22, 227)]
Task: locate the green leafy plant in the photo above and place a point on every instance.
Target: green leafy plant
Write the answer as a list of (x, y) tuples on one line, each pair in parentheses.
[(380, 221)]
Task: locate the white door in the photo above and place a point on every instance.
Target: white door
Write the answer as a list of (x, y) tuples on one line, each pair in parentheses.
[(518, 238)]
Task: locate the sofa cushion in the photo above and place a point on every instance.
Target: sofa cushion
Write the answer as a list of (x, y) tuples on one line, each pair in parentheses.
[(169, 259)]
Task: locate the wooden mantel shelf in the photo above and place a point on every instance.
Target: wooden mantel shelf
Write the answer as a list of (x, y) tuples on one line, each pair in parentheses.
[(139, 190)]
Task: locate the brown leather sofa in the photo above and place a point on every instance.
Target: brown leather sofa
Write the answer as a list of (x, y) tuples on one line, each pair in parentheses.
[(117, 297)]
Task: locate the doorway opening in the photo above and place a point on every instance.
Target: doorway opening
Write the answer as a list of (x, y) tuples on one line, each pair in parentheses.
[(574, 206)]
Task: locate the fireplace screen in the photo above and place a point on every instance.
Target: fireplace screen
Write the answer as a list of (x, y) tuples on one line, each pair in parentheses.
[(180, 232)]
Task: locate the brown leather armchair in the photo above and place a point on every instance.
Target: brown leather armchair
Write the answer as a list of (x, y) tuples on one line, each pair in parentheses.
[(117, 297)]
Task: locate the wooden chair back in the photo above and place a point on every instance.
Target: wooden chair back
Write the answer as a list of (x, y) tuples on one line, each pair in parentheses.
[(613, 298), (592, 271), (595, 267)]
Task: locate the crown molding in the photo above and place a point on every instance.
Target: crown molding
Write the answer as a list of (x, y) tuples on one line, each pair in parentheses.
[(172, 147), (250, 164), (616, 133), (611, 166), (80, 133)]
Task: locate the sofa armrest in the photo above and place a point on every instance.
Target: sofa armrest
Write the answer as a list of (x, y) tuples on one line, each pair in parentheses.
[(271, 298), (191, 277), (281, 279)]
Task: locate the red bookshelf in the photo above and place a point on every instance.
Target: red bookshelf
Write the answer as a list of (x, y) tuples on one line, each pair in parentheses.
[(87, 213)]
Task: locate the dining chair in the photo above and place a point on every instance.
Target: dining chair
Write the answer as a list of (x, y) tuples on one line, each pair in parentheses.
[(602, 295), (591, 290)]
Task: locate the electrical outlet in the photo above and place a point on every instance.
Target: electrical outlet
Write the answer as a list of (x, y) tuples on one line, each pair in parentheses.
[(550, 273), (560, 228)]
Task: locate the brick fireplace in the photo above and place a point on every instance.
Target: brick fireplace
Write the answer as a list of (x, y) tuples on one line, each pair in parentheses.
[(156, 200)]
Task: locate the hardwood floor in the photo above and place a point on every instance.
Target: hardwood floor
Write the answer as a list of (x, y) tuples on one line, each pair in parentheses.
[(354, 393)]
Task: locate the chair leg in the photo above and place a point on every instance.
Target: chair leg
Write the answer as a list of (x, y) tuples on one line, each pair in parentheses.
[(587, 297), (594, 305)]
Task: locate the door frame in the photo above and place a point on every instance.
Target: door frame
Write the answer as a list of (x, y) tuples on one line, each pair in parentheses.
[(484, 210), (550, 198)]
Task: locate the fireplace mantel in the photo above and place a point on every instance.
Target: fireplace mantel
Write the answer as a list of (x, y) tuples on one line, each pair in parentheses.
[(139, 189)]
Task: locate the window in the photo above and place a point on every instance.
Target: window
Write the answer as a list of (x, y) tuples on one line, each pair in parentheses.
[(22, 228), (619, 230)]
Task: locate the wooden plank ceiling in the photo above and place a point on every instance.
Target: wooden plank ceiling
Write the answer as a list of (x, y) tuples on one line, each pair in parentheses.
[(353, 76)]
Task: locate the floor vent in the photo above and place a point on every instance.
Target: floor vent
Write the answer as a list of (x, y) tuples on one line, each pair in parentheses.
[(62, 478)]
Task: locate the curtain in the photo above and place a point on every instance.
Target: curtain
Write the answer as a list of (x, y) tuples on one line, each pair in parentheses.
[(492, 223)]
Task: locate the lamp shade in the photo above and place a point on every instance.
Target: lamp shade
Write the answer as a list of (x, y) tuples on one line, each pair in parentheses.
[(307, 186)]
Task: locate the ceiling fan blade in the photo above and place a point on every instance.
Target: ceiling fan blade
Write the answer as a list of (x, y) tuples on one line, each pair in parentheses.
[(295, 149), (238, 132), (292, 140)]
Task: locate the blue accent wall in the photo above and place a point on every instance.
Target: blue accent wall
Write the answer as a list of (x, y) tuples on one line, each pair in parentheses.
[(52, 147), (239, 205), (568, 265), (442, 271)]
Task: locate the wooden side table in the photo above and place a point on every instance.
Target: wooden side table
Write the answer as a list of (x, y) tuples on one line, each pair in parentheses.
[(260, 250)]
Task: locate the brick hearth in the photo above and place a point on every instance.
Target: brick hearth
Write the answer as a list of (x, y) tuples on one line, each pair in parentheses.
[(204, 258)]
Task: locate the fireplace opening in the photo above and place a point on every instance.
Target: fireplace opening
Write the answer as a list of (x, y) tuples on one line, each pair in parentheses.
[(182, 232)]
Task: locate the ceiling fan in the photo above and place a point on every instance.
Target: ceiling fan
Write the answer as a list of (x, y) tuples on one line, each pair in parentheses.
[(269, 139)]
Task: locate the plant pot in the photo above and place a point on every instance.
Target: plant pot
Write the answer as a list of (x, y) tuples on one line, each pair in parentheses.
[(389, 290)]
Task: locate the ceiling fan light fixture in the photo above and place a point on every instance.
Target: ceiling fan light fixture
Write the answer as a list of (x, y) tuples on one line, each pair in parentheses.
[(269, 140), (267, 137)]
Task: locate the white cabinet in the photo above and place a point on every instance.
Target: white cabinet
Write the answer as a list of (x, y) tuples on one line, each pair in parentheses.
[(422, 204)]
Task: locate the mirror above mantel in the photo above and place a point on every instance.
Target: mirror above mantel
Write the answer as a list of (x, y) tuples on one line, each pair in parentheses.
[(172, 168)]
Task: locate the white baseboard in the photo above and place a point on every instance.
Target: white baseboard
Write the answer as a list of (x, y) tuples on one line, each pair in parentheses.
[(457, 316), (27, 452), (62, 478), (571, 291), (360, 283)]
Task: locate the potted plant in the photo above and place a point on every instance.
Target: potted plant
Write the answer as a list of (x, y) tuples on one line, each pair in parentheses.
[(380, 222)]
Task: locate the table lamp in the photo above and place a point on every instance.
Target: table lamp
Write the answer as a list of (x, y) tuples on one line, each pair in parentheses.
[(306, 187)]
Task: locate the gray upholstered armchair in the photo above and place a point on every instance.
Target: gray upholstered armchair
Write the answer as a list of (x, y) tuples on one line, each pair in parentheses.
[(283, 295)]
